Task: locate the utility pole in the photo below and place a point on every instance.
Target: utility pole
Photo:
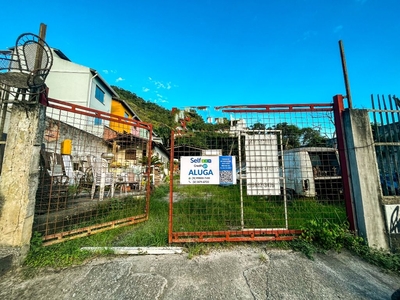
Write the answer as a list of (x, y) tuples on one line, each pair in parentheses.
[(39, 52), (345, 74)]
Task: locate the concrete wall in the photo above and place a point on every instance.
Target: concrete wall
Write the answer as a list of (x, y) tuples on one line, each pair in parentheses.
[(19, 177), (364, 176), (83, 143)]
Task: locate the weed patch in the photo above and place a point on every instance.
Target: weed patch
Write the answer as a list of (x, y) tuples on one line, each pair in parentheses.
[(320, 235)]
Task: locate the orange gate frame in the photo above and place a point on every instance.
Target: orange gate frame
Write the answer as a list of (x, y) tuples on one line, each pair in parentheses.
[(89, 230), (337, 107)]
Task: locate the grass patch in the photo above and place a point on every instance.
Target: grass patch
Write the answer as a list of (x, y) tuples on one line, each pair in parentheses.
[(211, 207), (154, 232), (321, 235)]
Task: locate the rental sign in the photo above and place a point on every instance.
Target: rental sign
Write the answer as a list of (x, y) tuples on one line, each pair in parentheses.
[(208, 170)]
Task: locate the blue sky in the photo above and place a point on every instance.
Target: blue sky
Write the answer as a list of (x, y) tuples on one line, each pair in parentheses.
[(181, 53)]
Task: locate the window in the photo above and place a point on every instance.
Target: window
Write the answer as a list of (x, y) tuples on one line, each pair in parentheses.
[(98, 121), (130, 154), (99, 95), (126, 115)]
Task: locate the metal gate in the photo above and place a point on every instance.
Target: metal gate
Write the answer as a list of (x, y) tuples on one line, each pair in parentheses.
[(385, 116), (94, 174), (255, 173)]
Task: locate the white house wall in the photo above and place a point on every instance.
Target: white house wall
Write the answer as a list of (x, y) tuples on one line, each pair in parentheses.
[(69, 82), (96, 104), (76, 84)]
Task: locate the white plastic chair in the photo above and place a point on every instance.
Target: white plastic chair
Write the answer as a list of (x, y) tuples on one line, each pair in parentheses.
[(101, 177), (74, 175)]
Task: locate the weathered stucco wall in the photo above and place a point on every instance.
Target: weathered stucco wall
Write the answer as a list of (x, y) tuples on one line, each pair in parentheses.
[(364, 178), (83, 143), (19, 177)]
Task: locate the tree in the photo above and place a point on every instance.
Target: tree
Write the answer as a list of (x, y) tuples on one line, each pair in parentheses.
[(312, 138), (155, 161), (164, 133), (290, 135), (258, 126)]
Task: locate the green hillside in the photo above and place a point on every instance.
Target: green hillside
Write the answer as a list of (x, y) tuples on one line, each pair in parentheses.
[(161, 118), (147, 111)]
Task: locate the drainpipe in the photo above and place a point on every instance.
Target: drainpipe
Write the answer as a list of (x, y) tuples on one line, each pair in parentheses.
[(90, 88)]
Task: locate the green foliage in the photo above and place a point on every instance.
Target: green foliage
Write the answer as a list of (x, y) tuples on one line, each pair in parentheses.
[(153, 232), (197, 249), (163, 120), (257, 126), (210, 140), (55, 256), (290, 135), (326, 235), (312, 138), (319, 236), (149, 112), (155, 160), (202, 133), (294, 137)]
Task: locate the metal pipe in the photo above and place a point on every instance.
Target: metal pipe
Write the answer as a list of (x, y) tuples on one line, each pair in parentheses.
[(345, 75)]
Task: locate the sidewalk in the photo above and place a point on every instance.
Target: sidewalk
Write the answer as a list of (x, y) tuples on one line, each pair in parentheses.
[(236, 273)]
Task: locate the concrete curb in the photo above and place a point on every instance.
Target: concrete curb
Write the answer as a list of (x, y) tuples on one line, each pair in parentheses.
[(137, 250)]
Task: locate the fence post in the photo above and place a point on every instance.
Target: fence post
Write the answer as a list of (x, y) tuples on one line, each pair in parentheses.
[(364, 175), (338, 108), (19, 178)]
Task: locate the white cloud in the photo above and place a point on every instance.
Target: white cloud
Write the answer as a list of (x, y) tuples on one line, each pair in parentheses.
[(338, 28), (160, 99), (109, 71), (162, 85), (145, 89), (159, 84), (309, 34), (119, 79)]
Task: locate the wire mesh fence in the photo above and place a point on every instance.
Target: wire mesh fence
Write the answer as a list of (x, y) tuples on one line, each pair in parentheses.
[(384, 117), (255, 173), (94, 172)]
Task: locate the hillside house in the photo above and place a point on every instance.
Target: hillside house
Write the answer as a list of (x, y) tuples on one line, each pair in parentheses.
[(81, 85)]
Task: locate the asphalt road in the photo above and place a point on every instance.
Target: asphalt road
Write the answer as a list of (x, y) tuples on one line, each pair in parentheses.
[(236, 273)]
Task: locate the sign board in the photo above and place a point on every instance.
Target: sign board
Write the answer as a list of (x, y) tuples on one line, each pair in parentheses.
[(262, 165), (208, 170)]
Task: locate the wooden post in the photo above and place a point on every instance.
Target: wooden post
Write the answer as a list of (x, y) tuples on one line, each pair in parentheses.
[(345, 75)]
